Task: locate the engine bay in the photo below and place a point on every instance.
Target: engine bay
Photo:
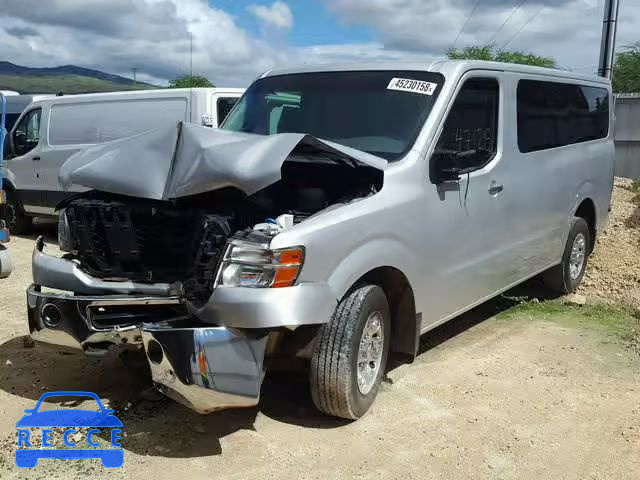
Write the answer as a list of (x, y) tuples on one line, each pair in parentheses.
[(118, 237)]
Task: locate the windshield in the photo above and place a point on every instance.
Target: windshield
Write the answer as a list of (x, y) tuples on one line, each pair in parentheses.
[(379, 112)]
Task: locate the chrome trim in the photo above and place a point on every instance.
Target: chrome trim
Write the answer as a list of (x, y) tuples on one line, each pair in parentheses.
[(207, 369), (64, 274), (577, 256), (75, 331), (100, 302), (370, 350)]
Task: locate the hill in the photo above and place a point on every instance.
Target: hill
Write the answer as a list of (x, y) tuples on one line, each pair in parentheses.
[(68, 79)]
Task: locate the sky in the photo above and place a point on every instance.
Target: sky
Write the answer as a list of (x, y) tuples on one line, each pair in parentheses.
[(234, 41)]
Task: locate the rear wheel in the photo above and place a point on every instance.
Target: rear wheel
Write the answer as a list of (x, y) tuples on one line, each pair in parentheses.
[(14, 215), (350, 356), (566, 277)]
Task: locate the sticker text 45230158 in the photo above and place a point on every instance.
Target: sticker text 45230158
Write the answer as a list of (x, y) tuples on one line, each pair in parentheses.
[(413, 86)]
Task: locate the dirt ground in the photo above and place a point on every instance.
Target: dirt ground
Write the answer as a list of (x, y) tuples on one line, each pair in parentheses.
[(614, 272), (533, 392)]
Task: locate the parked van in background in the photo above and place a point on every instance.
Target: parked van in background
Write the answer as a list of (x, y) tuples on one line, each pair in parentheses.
[(50, 130)]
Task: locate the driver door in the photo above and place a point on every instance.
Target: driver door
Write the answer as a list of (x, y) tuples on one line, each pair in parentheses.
[(24, 166), (467, 256)]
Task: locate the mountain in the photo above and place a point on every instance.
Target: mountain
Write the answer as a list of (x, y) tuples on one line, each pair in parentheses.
[(67, 79)]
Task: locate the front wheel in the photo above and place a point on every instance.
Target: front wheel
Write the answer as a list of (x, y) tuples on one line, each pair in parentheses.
[(350, 355), (566, 277), (14, 215)]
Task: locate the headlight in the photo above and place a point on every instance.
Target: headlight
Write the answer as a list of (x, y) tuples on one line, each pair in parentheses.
[(65, 239), (252, 265)]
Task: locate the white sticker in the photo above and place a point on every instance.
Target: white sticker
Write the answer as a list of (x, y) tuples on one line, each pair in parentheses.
[(207, 120), (413, 86)]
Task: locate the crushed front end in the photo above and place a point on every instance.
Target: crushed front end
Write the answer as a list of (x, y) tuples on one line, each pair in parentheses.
[(181, 265), (170, 278)]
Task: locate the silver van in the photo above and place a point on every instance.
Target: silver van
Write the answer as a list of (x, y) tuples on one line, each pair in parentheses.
[(53, 128), (339, 213)]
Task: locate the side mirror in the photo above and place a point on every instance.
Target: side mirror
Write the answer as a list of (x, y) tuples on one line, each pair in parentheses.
[(448, 165)]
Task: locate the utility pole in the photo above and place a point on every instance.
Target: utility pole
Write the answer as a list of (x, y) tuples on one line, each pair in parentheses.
[(608, 42), (134, 70)]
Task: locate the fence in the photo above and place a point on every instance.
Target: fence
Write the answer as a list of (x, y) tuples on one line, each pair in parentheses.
[(627, 135)]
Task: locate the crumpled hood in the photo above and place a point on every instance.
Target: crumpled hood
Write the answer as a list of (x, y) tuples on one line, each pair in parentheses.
[(188, 159)]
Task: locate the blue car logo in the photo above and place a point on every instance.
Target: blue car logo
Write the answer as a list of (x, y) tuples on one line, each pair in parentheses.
[(28, 453)]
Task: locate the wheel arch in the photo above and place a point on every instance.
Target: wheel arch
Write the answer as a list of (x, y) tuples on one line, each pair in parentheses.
[(587, 210), (405, 324)]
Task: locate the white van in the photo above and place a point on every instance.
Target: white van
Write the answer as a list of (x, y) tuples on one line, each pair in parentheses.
[(50, 130)]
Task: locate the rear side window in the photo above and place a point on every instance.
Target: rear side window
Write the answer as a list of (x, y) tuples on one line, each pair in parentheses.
[(224, 106), (99, 122), (552, 114)]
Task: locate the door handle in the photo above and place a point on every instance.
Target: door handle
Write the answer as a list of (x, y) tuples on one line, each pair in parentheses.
[(36, 159), (495, 189)]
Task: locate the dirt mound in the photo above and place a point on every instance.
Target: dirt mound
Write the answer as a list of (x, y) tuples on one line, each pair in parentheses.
[(614, 268)]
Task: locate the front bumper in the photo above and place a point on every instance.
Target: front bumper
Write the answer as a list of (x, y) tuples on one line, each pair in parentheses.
[(304, 304), (208, 357), (204, 368)]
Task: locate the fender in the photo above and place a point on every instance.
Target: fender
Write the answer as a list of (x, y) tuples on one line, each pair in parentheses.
[(9, 180), (585, 190), (387, 252)]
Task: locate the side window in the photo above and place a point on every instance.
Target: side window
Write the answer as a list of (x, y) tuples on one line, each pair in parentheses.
[(27, 134), (469, 137), (224, 106), (552, 114)]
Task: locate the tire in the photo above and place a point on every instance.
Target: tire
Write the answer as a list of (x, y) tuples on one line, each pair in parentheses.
[(6, 262), (14, 215), (563, 278), (334, 363)]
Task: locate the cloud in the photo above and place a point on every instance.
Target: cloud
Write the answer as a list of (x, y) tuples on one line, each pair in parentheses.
[(278, 15), (568, 30), (150, 35), (154, 36)]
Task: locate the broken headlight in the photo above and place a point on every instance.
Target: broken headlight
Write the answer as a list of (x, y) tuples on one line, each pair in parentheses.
[(247, 264), (65, 239)]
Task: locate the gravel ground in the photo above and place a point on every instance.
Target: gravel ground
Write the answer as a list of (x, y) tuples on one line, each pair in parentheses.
[(531, 396), (614, 271)]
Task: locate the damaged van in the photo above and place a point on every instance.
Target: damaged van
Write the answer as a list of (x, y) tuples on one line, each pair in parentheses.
[(339, 213)]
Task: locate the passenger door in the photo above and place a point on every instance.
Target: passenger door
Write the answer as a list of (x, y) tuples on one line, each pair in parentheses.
[(25, 165), (468, 258)]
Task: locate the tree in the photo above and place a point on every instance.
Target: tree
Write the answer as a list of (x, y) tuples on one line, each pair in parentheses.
[(190, 81), (489, 52), (626, 71)]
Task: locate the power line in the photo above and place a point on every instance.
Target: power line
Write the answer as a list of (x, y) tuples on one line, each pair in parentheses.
[(522, 28), (466, 22), (513, 12)]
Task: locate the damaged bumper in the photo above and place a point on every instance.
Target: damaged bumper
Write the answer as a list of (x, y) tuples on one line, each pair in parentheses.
[(208, 358), (205, 369)]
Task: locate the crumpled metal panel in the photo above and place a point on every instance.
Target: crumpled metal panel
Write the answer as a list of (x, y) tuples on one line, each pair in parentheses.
[(189, 159)]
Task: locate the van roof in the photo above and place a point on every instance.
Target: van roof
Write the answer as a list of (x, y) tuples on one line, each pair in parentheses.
[(446, 67), (159, 92)]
